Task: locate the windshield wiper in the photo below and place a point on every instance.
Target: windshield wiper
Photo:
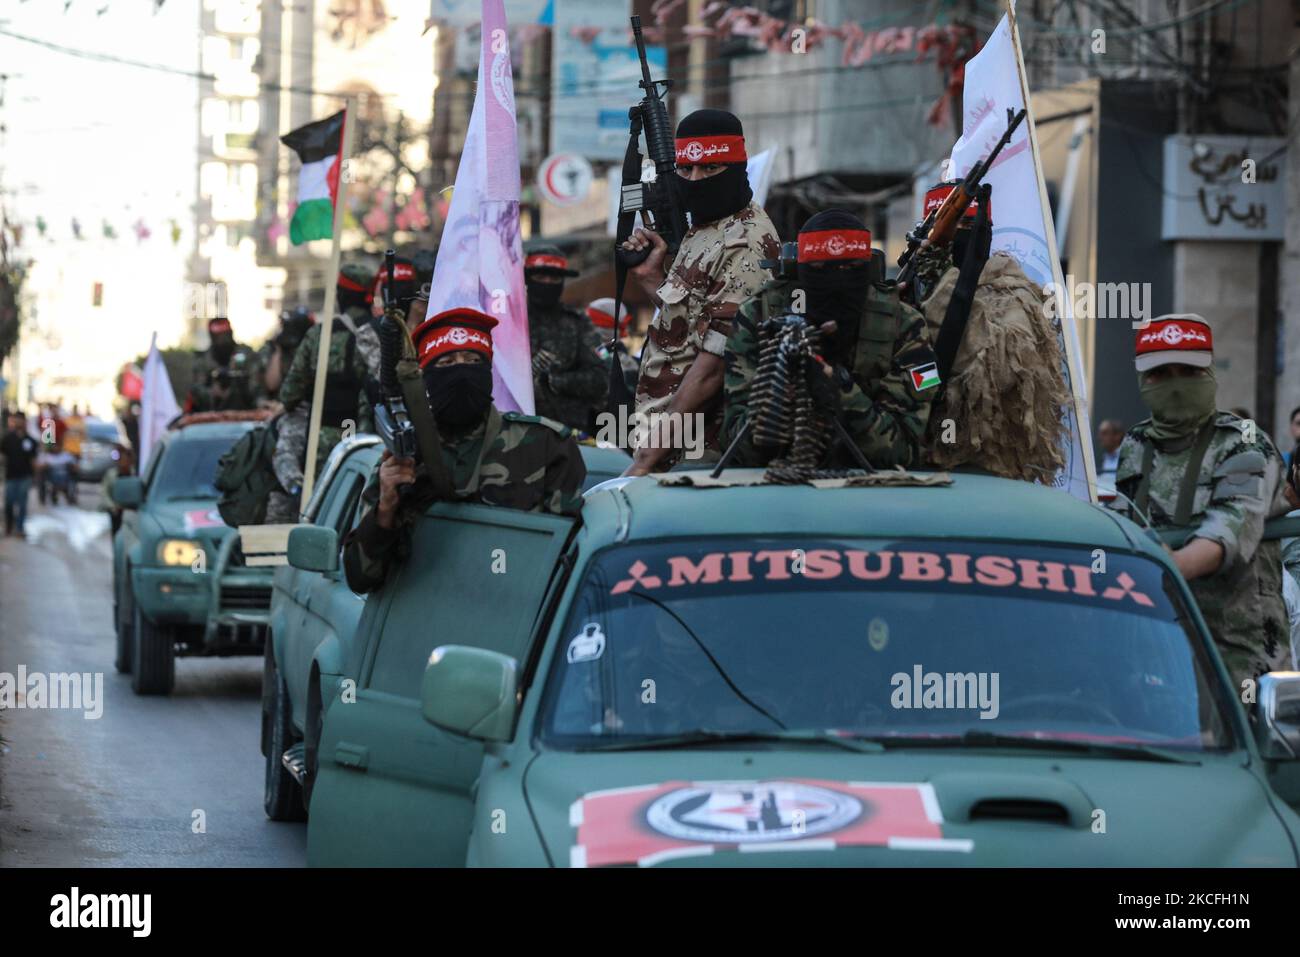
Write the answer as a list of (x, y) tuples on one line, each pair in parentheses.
[(980, 739), (705, 738)]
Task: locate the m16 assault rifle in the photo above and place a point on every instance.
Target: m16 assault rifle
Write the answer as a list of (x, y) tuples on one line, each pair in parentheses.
[(658, 201), (940, 226)]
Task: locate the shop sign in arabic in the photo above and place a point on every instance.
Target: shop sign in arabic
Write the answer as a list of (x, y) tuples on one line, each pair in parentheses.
[(1208, 192)]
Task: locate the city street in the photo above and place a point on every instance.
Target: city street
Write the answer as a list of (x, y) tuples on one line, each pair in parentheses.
[(155, 780)]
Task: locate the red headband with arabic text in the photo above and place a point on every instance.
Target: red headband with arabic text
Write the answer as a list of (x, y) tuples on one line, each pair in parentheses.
[(545, 261), (834, 244), (452, 331), (935, 196), (705, 150)]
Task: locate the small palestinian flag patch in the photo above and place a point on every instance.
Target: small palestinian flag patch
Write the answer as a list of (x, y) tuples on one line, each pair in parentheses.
[(924, 377)]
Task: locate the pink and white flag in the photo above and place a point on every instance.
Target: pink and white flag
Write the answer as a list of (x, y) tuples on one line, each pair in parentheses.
[(480, 259), (157, 404)]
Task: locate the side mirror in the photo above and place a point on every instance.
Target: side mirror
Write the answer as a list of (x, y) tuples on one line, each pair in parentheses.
[(127, 491), (470, 691), (1277, 710), (314, 548)]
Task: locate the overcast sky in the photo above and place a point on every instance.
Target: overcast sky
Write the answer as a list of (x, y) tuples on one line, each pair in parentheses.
[(99, 140)]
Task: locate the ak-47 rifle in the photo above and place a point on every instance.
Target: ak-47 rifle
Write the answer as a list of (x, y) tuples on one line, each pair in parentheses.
[(940, 226), (658, 202)]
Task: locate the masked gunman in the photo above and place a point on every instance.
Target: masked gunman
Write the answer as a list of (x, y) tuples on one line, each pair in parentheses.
[(568, 378), (495, 458), (1193, 467), (876, 371), (353, 360), (225, 376), (276, 354), (1002, 405), (699, 292)]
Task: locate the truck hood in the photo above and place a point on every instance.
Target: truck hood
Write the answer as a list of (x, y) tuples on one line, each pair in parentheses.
[(949, 808), (196, 519)]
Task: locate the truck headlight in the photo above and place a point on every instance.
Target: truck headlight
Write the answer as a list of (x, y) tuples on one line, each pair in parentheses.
[(178, 551)]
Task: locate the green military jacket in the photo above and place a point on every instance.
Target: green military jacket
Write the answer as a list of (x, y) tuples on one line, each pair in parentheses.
[(885, 403), (245, 376), (300, 381), (530, 463), (572, 385), (1237, 488)]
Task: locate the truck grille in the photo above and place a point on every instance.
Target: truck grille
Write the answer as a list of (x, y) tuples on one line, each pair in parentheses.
[(245, 596)]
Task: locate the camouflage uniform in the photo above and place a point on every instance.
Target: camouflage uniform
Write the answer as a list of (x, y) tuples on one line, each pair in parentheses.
[(715, 270), (299, 382), (882, 408), (1002, 408), (1238, 488), (569, 380), (245, 382), (533, 464)]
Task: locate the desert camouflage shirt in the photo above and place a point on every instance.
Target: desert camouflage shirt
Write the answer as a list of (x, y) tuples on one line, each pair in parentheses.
[(885, 396), (715, 270), (1238, 488), (533, 464)]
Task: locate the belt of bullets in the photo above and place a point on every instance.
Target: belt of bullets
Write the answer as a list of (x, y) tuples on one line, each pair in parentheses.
[(785, 419)]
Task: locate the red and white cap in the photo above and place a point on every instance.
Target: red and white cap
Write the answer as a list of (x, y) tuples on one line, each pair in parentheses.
[(1175, 339), (935, 196), (601, 314), (453, 331)]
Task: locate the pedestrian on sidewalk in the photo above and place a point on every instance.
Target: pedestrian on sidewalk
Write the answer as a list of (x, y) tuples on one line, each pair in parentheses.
[(19, 451)]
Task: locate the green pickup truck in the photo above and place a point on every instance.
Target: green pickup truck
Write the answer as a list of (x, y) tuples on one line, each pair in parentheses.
[(180, 586), (313, 617), (936, 671)]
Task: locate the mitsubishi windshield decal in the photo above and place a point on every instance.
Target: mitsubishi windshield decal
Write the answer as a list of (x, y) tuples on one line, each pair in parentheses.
[(1046, 574), (656, 823)]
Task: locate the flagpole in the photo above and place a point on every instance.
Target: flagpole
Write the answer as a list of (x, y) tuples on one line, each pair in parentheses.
[(327, 319), (1054, 257)]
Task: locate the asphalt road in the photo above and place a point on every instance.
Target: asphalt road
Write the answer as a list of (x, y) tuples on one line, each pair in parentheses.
[(153, 781)]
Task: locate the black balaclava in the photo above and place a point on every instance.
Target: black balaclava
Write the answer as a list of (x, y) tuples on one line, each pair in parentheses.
[(543, 295), (727, 193), (836, 293), (459, 394), (221, 343)]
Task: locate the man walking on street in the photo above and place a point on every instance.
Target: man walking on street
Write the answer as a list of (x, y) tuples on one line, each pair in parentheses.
[(19, 450)]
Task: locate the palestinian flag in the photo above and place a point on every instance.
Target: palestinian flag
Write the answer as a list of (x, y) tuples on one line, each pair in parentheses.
[(320, 146)]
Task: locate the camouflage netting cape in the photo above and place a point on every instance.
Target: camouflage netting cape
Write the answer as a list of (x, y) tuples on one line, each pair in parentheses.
[(1007, 394)]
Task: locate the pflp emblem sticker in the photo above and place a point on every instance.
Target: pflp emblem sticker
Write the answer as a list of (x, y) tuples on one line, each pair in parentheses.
[(769, 811), (652, 824)]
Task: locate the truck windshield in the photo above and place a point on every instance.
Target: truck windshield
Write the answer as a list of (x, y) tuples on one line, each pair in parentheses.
[(188, 468), (876, 639)]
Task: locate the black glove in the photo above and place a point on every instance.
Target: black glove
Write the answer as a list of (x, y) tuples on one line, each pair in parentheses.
[(825, 394)]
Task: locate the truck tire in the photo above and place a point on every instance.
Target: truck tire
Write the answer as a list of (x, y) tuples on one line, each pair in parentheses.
[(314, 724), (153, 657), (122, 660), (282, 798)]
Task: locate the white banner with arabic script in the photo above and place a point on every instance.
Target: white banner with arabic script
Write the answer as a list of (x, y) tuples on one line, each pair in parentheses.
[(1022, 227), (1224, 187)]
